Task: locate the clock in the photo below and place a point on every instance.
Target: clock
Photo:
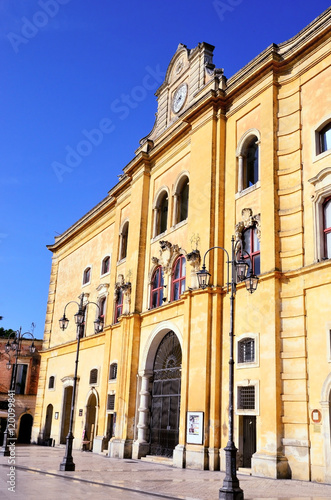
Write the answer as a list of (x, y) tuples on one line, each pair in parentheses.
[(179, 98)]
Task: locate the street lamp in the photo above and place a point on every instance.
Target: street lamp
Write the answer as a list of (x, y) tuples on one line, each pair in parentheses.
[(15, 345), (231, 489), (68, 464)]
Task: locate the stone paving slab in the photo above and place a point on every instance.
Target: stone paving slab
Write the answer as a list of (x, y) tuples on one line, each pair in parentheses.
[(120, 479)]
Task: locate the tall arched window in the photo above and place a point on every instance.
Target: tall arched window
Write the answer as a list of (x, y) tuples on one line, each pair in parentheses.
[(105, 266), (157, 288), (124, 241), (327, 227), (182, 200), (325, 138), (161, 214), (251, 246), (179, 276), (251, 164), (118, 305), (248, 159), (87, 276)]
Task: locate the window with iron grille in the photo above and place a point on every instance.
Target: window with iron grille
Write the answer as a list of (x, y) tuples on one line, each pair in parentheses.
[(246, 397), (246, 350), (51, 382), (93, 376), (111, 402), (113, 371)]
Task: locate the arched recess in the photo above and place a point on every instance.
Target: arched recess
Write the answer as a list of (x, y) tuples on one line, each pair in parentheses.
[(24, 434), (68, 383), (326, 425), (142, 444), (48, 422), (91, 417)]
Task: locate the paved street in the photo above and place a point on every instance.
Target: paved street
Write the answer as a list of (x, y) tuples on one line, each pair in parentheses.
[(37, 475)]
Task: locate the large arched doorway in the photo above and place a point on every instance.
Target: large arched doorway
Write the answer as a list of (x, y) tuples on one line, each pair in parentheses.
[(166, 396), (24, 435), (90, 420), (66, 413), (48, 422)]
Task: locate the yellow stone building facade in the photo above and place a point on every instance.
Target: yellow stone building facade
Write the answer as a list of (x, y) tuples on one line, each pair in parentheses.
[(248, 156)]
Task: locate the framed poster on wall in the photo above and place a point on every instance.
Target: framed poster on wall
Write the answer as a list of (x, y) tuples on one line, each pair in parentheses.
[(194, 427)]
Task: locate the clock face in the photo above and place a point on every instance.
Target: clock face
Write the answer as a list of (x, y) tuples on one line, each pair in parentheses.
[(179, 98)]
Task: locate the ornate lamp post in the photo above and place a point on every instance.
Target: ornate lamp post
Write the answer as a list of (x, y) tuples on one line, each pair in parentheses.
[(68, 464), (231, 489), (15, 346)]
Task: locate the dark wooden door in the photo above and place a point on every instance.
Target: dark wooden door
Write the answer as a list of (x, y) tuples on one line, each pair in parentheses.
[(249, 439)]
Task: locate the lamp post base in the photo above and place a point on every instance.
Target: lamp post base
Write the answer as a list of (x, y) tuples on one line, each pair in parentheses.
[(67, 466), (231, 494), (231, 489)]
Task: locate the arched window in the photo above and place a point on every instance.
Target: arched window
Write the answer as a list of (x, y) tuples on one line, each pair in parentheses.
[(251, 164), (105, 266), (178, 280), (124, 241), (251, 247), (248, 159), (102, 312), (327, 228), (157, 288), (51, 382), (93, 376), (182, 200), (161, 214), (118, 305), (113, 371), (325, 138), (87, 276)]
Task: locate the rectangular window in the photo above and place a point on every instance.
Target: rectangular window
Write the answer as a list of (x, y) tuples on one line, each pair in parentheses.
[(21, 374), (111, 402), (246, 398)]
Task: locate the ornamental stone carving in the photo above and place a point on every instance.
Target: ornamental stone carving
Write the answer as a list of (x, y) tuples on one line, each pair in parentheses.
[(194, 259), (248, 220)]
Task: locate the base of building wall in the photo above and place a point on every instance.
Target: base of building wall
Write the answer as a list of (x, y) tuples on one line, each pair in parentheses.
[(197, 458), (297, 453), (179, 457), (275, 466), (140, 450), (120, 448), (98, 444), (214, 458)]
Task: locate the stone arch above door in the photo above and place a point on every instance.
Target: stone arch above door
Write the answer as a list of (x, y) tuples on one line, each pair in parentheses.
[(153, 341)]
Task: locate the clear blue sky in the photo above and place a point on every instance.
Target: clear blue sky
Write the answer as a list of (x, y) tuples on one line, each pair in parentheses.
[(67, 65)]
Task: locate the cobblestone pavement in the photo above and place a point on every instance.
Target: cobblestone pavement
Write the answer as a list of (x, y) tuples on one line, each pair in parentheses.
[(37, 475)]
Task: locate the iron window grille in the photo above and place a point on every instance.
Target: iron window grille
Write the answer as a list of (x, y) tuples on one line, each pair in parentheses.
[(246, 351), (111, 402), (246, 398), (93, 376), (113, 371)]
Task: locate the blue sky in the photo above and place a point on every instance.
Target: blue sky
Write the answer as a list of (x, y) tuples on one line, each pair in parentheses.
[(67, 67)]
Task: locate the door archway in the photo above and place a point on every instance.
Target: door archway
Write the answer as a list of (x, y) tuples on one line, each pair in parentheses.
[(90, 420), (66, 413), (48, 422), (24, 435), (164, 426)]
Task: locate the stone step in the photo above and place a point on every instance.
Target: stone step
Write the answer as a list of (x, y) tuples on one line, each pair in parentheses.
[(157, 459), (245, 470)]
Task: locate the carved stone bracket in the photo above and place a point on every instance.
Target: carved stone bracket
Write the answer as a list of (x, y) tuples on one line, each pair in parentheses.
[(248, 220)]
